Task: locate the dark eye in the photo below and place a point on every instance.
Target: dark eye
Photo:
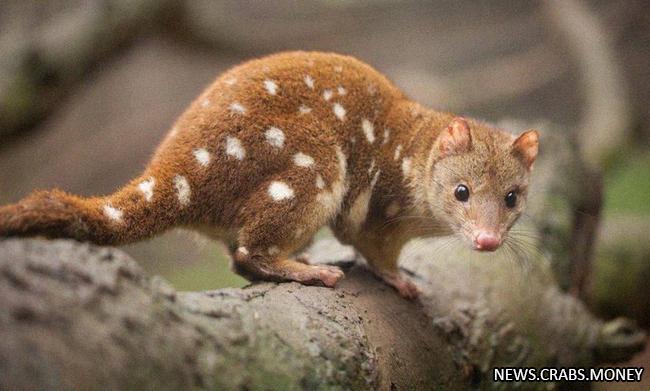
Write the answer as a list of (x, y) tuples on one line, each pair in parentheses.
[(511, 199), (461, 193)]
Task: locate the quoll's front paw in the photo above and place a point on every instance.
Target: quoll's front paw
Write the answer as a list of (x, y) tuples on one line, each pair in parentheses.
[(407, 289), (403, 285)]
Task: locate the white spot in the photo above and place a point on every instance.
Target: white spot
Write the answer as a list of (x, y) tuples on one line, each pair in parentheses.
[(236, 107), (374, 180), (205, 102), (271, 87), (338, 69), (234, 148), (173, 132), (202, 156), (280, 191), (359, 210), (146, 187), (331, 200), (320, 183), (273, 250), (386, 136), (393, 209), (243, 250), (343, 161), (183, 191), (304, 109), (406, 166), (398, 151), (372, 166), (341, 90), (339, 111), (113, 213), (275, 137), (309, 81), (368, 130), (327, 94), (231, 81), (302, 160)]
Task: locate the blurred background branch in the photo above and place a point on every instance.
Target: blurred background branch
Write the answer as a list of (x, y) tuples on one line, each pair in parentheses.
[(47, 47)]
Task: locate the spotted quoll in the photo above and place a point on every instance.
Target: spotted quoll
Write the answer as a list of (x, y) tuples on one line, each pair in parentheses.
[(278, 147)]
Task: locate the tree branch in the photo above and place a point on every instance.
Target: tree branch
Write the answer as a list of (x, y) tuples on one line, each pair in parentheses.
[(76, 316)]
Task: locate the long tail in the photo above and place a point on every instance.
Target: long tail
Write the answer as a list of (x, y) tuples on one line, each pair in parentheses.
[(141, 209)]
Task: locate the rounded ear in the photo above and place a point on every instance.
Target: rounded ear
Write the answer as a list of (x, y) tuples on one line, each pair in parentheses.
[(526, 146), (455, 139)]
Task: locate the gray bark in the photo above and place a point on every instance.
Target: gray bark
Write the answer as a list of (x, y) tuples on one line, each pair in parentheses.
[(76, 316)]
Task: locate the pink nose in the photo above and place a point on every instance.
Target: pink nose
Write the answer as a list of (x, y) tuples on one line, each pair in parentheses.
[(486, 241)]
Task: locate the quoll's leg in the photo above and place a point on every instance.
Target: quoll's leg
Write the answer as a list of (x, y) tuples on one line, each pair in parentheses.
[(259, 266), (279, 219), (382, 257), (302, 255)]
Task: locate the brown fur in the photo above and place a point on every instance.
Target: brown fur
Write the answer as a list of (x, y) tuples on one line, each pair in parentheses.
[(368, 194)]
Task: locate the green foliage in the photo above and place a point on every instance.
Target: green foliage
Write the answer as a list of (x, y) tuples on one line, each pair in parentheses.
[(627, 184), (206, 274), (622, 263), (620, 286)]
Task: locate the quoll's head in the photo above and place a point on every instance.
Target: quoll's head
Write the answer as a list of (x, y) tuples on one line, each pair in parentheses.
[(479, 180)]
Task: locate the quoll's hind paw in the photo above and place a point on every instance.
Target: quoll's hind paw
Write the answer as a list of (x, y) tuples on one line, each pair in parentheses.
[(320, 275), (265, 268)]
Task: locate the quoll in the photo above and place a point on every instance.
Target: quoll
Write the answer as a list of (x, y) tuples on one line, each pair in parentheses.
[(281, 146)]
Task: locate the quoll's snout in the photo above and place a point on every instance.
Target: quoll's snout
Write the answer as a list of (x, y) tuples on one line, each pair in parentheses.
[(486, 241)]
